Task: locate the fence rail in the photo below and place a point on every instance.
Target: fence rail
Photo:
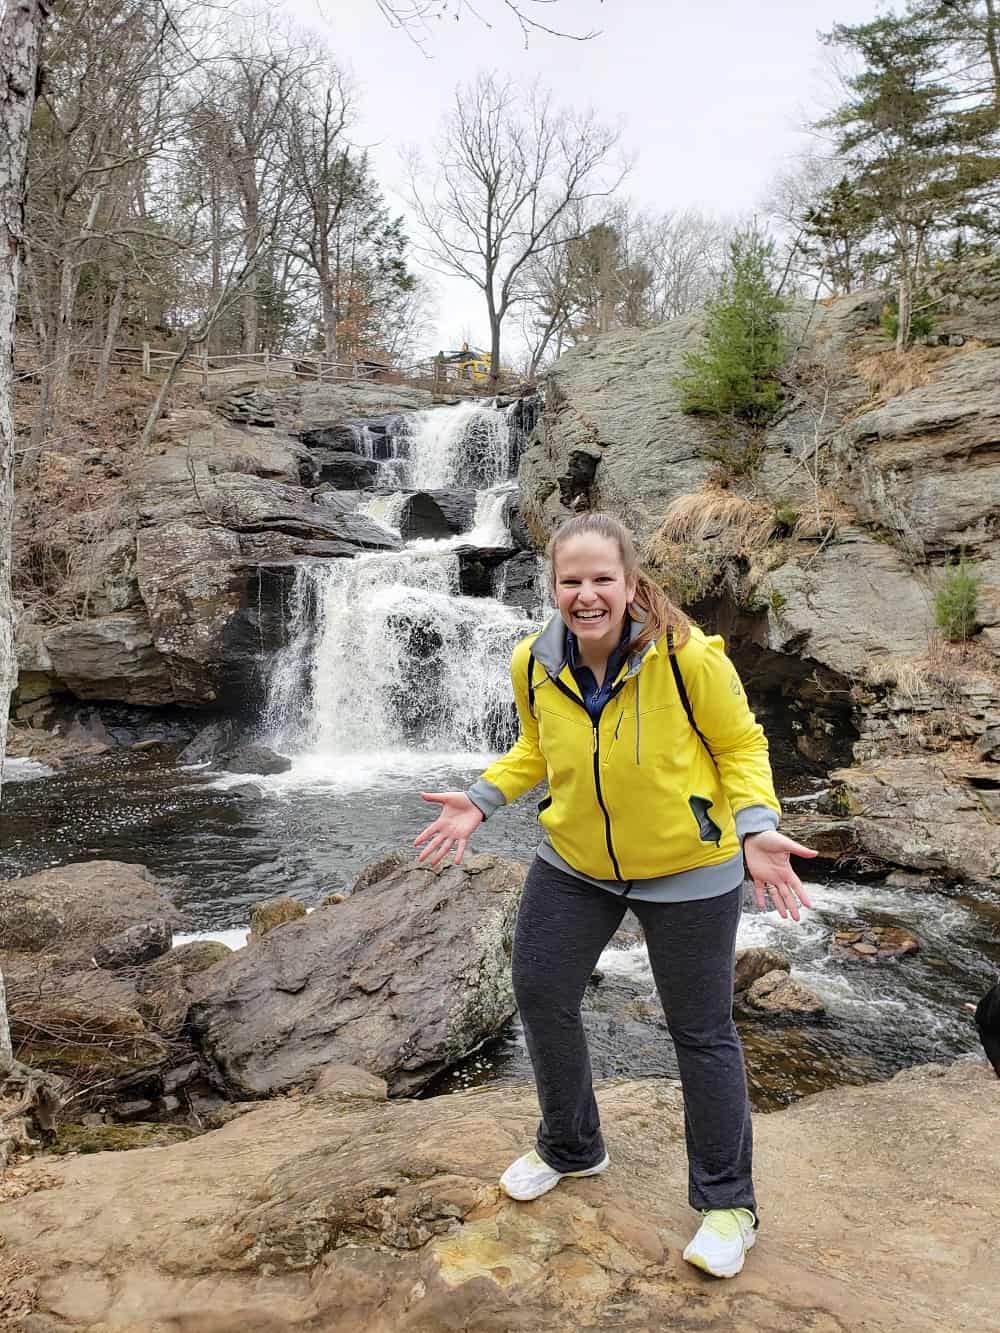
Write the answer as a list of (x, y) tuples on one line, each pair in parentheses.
[(152, 362)]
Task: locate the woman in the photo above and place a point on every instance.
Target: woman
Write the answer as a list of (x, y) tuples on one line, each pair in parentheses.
[(659, 787)]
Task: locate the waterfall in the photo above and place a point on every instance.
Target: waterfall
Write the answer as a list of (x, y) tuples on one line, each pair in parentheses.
[(386, 658)]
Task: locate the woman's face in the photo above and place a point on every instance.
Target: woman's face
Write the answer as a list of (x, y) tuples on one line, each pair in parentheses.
[(591, 590)]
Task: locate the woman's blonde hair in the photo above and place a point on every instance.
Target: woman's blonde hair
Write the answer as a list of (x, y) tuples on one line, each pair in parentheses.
[(650, 605)]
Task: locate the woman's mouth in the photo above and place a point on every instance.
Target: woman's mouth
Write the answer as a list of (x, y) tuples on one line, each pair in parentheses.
[(589, 617)]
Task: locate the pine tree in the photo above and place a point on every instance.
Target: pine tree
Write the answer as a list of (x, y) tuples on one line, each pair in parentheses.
[(734, 374)]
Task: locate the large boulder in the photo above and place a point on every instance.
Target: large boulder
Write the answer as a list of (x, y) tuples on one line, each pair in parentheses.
[(926, 813), (338, 1210), (403, 979), (73, 910), (345, 470), (438, 513), (109, 657)]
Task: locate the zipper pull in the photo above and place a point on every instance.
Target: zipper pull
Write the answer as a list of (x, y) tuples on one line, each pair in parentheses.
[(594, 751)]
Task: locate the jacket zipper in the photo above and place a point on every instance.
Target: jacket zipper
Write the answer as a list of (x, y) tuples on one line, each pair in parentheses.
[(597, 766)]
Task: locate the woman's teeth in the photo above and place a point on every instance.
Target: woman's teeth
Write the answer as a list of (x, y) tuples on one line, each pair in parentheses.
[(589, 615)]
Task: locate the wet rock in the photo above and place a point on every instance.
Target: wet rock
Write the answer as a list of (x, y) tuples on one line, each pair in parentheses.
[(265, 917), (874, 943), (436, 514), (754, 963), (777, 993), (110, 657), (341, 436), (403, 980), (345, 471), (218, 738), (256, 759), (519, 582), (516, 525)]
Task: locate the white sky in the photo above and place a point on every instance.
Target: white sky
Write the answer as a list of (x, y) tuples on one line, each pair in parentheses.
[(712, 93)]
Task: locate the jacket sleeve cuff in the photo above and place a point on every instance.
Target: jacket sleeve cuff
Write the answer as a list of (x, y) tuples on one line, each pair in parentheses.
[(488, 798), (755, 819)]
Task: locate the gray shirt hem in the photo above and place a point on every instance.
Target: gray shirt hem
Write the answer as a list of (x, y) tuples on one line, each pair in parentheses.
[(685, 886)]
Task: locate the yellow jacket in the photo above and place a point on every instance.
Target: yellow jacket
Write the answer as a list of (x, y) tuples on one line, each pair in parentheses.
[(637, 796)]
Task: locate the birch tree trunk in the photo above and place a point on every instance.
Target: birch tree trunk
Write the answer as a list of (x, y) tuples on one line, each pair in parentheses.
[(114, 324), (20, 37)]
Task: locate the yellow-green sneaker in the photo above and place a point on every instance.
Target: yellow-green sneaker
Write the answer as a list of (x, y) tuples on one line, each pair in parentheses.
[(721, 1242)]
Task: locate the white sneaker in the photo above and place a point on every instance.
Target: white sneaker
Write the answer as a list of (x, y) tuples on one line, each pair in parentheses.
[(529, 1177), (721, 1242)]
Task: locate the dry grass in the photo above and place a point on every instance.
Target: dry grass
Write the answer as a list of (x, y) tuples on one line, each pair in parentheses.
[(17, 1291), (945, 671), (735, 525), (889, 373)]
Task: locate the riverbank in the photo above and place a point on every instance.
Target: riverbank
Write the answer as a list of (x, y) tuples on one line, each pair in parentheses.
[(341, 1210)]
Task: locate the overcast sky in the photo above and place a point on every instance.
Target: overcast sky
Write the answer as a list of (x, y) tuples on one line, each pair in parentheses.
[(712, 93)]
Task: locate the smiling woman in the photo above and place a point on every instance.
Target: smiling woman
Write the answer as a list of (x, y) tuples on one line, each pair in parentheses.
[(659, 786)]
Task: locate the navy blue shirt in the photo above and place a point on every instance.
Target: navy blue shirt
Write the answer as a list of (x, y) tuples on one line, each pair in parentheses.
[(596, 696)]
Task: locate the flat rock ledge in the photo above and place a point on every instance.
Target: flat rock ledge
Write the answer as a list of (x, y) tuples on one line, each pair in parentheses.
[(340, 1210)]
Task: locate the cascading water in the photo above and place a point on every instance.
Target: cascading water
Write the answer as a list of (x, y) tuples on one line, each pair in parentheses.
[(385, 656)]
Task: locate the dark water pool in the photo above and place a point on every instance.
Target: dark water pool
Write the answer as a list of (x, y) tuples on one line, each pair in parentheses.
[(220, 844)]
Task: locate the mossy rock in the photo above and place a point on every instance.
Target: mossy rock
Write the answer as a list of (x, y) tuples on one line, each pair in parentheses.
[(118, 1138)]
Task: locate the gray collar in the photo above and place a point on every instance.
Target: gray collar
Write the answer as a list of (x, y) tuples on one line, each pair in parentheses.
[(550, 647)]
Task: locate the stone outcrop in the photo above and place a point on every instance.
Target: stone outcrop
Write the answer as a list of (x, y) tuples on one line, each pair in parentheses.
[(776, 993), (403, 979), (177, 594), (338, 1210), (439, 513)]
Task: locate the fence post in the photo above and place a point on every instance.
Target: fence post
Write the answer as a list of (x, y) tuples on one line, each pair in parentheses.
[(267, 364), (204, 371), (146, 371)]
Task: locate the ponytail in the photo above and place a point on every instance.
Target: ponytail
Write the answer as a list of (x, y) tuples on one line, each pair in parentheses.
[(650, 606)]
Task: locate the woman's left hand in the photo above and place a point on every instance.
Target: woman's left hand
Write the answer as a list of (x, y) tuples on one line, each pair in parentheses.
[(767, 856)]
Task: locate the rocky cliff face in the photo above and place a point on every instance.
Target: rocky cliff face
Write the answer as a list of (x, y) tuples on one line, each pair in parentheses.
[(877, 471)]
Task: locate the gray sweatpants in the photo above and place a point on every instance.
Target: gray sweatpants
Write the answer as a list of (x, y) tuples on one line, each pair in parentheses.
[(562, 926)]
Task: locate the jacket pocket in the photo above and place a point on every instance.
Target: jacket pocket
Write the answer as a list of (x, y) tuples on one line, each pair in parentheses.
[(708, 829)]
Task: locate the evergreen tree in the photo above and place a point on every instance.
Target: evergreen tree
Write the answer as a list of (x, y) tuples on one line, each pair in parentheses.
[(919, 149), (734, 374)]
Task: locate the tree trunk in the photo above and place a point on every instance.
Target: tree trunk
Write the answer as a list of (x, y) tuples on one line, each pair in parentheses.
[(20, 37), (905, 307), (114, 324), (329, 318), (495, 321)]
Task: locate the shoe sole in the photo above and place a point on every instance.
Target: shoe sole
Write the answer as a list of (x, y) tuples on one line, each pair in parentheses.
[(697, 1261), (563, 1175)]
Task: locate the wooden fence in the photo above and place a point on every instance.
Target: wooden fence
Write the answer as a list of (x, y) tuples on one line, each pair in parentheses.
[(155, 362)]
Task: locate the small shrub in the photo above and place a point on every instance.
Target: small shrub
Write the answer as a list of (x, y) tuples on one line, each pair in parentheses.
[(785, 517), (921, 320), (956, 603)]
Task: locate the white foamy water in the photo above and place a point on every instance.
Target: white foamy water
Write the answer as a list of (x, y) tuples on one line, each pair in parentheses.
[(385, 510), (385, 656), (466, 445), (25, 770), (235, 938)]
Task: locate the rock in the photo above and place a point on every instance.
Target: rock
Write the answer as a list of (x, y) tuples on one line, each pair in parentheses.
[(119, 1138), (437, 514), (776, 993), (332, 899), (163, 991), (403, 980), (137, 945), (520, 581), (754, 963), (479, 568), (516, 525), (265, 917), (859, 604), (345, 471), (107, 1046), (110, 657), (339, 436), (215, 739), (924, 813), (346, 1083), (873, 943), (256, 759), (72, 910), (988, 745), (368, 1217)]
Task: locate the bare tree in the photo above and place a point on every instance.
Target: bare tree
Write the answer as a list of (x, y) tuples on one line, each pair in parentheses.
[(413, 16), (511, 167), (20, 37)]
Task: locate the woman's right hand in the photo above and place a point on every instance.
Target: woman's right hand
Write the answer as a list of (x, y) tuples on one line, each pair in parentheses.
[(454, 826)]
